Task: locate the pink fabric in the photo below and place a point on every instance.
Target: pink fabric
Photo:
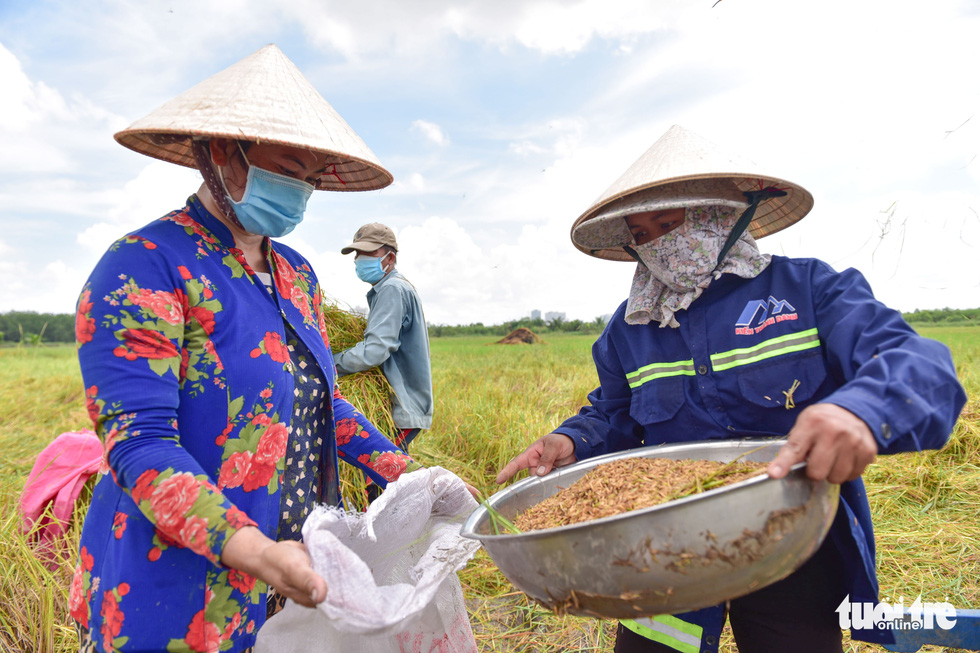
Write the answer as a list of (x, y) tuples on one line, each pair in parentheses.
[(57, 478)]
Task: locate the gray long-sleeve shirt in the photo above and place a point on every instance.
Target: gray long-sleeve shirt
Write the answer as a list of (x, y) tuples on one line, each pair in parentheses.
[(396, 340)]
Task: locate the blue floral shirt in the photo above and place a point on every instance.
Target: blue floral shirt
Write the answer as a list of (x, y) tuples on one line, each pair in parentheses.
[(190, 385)]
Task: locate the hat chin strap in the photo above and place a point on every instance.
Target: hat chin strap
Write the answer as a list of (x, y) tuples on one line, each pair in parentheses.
[(206, 166), (632, 252), (755, 197)]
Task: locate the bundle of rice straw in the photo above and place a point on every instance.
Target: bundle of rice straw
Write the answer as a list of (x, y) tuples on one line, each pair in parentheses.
[(368, 391)]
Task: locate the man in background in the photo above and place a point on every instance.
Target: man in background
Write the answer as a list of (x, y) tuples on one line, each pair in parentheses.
[(395, 339)]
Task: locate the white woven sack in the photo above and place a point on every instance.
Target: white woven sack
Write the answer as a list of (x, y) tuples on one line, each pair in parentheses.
[(390, 573)]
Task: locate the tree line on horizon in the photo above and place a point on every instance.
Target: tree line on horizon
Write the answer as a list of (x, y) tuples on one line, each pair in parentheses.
[(30, 328)]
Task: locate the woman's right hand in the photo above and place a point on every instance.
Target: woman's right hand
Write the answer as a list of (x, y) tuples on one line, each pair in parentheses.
[(286, 566), (552, 450)]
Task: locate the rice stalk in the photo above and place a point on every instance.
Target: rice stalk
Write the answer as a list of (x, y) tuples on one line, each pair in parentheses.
[(368, 391)]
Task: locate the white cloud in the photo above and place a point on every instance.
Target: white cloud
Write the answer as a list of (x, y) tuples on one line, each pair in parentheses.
[(525, 148), (431, 132), (573, 93), (155, 191), (49, 288)]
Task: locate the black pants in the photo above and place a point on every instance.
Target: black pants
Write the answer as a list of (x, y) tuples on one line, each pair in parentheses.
[(795, 614)]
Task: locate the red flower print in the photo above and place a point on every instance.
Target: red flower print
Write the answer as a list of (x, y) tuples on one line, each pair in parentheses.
[(258, 476), (346, 429), (112, 619), (285, 275), (237, 518), (171, 501), (275, 347), (236, 621), (144, 485), (77, 605), (144, 343), (286, 283), (90, 405), (209, 348), (262, 420), (185, 358), (194, 535), (202, 635), (272, 444), (364, 458), (185, 274), (87, 560), (203, 316), (322, 325), (165, 305), (154, 554), (265, 394), (302, 303), (183, 219), (110, 442), (390, 465), (240, 581), (84, 323), (119, 525), (234, 470)]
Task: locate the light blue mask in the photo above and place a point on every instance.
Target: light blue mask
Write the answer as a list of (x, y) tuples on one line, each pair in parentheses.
[(272, 204), (369, 268)]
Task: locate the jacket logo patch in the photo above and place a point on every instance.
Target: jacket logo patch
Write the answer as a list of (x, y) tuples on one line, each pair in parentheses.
[(761, 313)]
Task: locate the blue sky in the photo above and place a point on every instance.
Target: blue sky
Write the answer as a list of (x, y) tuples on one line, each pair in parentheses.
[(502, 122)]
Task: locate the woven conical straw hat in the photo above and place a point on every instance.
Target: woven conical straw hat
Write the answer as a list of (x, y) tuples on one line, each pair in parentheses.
[(263, 98), (684, 169)]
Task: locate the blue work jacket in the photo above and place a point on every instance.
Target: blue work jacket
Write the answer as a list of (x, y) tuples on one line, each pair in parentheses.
[(799, 328)]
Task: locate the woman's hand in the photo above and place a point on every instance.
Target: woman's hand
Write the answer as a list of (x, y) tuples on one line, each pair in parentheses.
[(835, 443), (552, 450), (286, 566)]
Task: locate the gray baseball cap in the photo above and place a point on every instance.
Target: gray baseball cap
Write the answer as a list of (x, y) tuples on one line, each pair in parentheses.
[(370, 237)]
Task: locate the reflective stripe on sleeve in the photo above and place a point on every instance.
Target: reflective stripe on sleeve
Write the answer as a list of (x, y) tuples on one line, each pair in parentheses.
[(659, 371), (787, 344), (667, 629)]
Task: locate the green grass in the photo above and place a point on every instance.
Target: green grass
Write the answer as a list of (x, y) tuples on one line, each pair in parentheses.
[(491, 401)]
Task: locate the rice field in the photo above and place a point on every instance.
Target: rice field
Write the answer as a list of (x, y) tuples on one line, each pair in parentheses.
[(491, 402)]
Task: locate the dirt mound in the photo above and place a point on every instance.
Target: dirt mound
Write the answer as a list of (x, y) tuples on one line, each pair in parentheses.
[(521, 336)]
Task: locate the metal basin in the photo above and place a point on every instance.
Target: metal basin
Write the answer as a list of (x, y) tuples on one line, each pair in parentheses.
[(684, 555)]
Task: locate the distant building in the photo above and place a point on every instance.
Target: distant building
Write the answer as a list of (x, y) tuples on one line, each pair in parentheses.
[(535, 314), (551, 316)]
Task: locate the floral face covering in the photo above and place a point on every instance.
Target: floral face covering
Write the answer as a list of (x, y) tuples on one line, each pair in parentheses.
[(677, 267)]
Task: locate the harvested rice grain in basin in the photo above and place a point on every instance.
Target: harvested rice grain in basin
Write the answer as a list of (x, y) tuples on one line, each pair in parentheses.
[(630, 484)]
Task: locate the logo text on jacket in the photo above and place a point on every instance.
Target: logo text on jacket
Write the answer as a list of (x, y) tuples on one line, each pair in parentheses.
[(761, 313)]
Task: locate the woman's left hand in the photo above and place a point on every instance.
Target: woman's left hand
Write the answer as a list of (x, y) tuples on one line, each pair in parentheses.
[(835, 443)]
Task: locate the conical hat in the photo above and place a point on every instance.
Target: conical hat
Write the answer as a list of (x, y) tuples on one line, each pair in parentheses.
[(263, 98), (682, 169)]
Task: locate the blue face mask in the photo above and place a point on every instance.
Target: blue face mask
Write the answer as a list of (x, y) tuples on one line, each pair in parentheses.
[(369, 268), (272, 204)]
